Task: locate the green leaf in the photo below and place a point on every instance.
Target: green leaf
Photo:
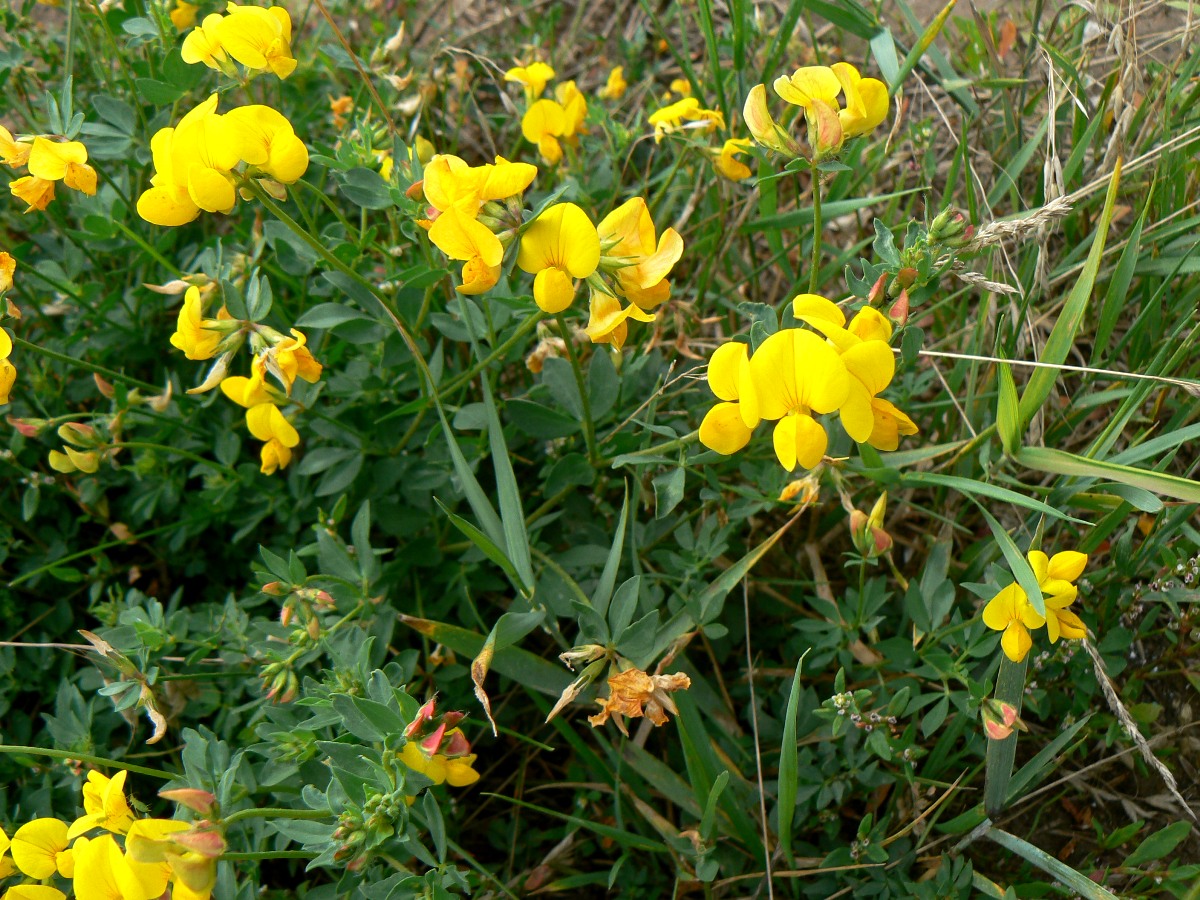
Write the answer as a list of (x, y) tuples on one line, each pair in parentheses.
[(365, 718), (489, 547), (789, 765), (512, 514), (624, 838), (1062, 336), (971, 487), (668, 491), (1040, 765), (1007, 414), (1017, 562), (1077, 882), (1059, 462), (608, 578), (363, 187), (1010, 688), (1159, 844)]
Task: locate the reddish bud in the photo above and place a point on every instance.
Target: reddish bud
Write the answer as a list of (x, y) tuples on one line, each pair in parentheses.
[(198, 801), (878, 289), (28, 427), (104, 387), (899, 311)]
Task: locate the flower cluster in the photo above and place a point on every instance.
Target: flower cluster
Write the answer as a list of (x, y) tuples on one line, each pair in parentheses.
[(132, 859), (48, 161), (816, 90), (260, 39), (795, 375), (1011, 612), (285, 358), (686, 114), (438, 749), (475, 215), (549, 123), (194, 161)]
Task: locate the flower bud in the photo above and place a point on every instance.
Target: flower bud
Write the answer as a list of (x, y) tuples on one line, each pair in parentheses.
[(28, 427), (999, 719), (275, 589), (763, 126), (79, 434), (899, 311), (198, 801), (875, 295), (867, 532), (582, 654), (804, 490)]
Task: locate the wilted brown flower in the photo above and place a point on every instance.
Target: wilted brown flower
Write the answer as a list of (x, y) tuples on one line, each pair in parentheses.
[(634, 693)]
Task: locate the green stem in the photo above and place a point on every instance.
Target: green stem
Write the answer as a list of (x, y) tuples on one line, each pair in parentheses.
[(140, 241), (815, 263), (88, 758), (589, 427), (276, 812), (70, 557), (253, 856), (186, 454), (466, 377), (688, 439), (110, 374)]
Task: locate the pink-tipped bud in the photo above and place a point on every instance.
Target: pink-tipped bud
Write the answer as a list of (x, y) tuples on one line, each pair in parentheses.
[(456, 744), (79, 434), (28, 427), (899, 311), (878, 289), (104, 387), (431, 742), (275, 589), (206, 842), (201, 802)]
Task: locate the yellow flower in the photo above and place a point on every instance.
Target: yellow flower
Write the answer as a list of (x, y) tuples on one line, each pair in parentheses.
[(1055, 577), (203, 44), (37, 192), (192, 165), (258, 38), (8, 372), (796, 374), (543, 124), (763, 126), (685, 113), (189, 854), (247, 392), (39, 848), (634, 693), (103, 872), (8, 268), (532, 77), (727, 427), (265, 139), (1011, 612), (267, 423), (863, 345), (816, 90), (104, 804), (456, 771), (183, 16), (13, 153), (574, 106), (680, 86), (466, 239), (639, 263), (450, 182), (726, 161), (291, 359), (191, 336), (608, 322), (559, 246), (615, 87)]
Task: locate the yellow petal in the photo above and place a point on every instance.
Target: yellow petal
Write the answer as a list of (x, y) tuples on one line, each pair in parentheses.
[(1001, 610), (210, 190), (809, 83), (1040, 563), (1016, 642), (478, 277), (266, 422), (545, 117), (856, 414), (889, 424), (463, 238), (723, 429), (1070, 625), (553, 289), (274, 456), (1067, 565), (725, 367), (167, 206), (36, 845), (563, 237), (872, 363), (8, 377), (871, 325), (814, 306), (506, 179)]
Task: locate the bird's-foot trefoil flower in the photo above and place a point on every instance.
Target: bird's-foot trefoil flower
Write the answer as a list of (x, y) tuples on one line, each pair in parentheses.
[(685, 114), (816, 90), (533, 78), (616, 85), (608, 322), (637, 260), (635, 693), (559, 246)]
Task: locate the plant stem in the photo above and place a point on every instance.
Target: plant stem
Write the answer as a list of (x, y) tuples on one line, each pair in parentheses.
[(690, 438), (815, 263), (88, 758), (252, 856), (523, 329), (589, 427), (110, 374), (276, 812), (186, 454), (158, 257)]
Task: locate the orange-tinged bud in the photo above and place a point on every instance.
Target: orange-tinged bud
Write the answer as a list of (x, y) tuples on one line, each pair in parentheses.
[(79, 434), (899, 311), (198, 801)]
